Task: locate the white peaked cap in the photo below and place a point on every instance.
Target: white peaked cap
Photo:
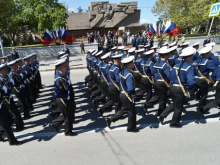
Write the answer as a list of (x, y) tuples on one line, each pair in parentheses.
[(172, 44), (121, 47), (131, 50), (99, 53), (185, 43), (117, 56), (106, 55), (140, 50), (127, 60), (205, 50), (188, 51), (210, 44), (149, 52), (96, 51), (60, 62), (173, 48), (195, 44), (164, 51)]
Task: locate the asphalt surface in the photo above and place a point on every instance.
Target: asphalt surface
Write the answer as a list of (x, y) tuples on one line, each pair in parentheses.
[(196, 143)]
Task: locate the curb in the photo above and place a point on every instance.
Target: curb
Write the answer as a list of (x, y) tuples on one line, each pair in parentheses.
[(72, 68)]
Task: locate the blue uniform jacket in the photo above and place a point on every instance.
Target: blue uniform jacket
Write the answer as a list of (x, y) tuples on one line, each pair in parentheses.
[(196, 56), (61, 86), (164, 70), (127, 82), (113, 75), (205, 66), (137, 62), (104, 67), (186, 75), (147, 67)]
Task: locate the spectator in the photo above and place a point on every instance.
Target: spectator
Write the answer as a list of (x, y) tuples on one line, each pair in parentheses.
[(82, 48), (208, 40), (14, 55), (128, 35)]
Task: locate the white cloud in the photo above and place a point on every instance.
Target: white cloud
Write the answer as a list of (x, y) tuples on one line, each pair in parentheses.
[(70, 10), (144, 20)]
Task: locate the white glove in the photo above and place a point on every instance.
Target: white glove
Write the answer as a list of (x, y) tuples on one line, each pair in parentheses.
[(69, 81), (20, 86), (188, 94), (5, 89), (30, 78), (25, 82), (11, 95), (68, 97), (22, 76), (68, 92), (12, 81)]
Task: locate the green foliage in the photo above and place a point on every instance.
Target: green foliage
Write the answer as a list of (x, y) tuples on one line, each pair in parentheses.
[(185, 13), (18, 16)]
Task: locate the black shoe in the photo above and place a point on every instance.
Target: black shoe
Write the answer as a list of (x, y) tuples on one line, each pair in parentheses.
[(198, 115), (56, 128), (71, 134), (17, 143), (2, 139), (100, 112), (52, 115), (19, 128), (109, 123), (27, 116), (161, 120), (145, 109), (133, 130), (175, 126)]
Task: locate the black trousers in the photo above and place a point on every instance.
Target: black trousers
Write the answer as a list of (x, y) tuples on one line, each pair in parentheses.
[(38, 80), (22, 98), (147, 87), (203, 87), (178, 98), (6, 121), (216, 101), (15, 112), (67, 115), (104, 91), (137, 78), (162, 88), (128, 107), (113, 94)]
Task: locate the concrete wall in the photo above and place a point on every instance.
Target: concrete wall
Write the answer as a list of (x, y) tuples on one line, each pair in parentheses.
[(45, 52)]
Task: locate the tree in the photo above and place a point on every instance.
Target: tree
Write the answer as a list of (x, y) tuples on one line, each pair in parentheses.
[(80, 10), (18, 16), (185, 13)]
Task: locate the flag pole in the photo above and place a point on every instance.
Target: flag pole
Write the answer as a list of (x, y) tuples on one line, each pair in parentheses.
[(211, 26), (2, 48)]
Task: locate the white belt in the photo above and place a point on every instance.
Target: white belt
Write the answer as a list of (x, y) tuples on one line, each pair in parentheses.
[(176, 85), (159, 80), (199, 77), (136, 72)]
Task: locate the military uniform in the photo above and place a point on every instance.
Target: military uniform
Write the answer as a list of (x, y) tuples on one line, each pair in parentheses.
[(127, 89), (202, 68), (181, 81)]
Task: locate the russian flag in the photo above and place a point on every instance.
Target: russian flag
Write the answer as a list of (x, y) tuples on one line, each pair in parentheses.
[(163, 27), (171, 27)]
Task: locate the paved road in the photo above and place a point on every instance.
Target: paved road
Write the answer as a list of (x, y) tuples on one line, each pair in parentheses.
[(196, 143)]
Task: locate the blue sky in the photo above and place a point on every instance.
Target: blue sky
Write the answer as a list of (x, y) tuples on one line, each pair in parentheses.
[(146, 14)]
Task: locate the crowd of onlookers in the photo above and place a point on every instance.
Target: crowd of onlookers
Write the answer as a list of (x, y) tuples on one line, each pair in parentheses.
[(111, 39)]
